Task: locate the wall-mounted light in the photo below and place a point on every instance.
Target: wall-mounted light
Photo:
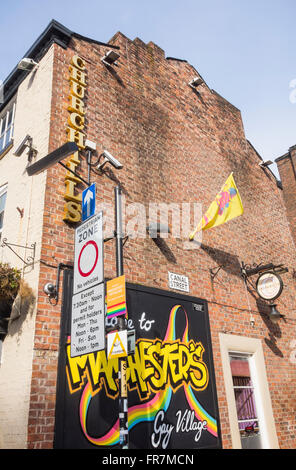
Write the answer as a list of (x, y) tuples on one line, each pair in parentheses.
[(197, 81), (265, 164), (27, 64), (274, 314), (156, 229), (52, 158), (110, 58), (55, 157)]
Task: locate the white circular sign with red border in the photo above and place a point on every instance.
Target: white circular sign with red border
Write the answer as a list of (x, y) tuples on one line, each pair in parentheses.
[(88, 257), (88, 264)]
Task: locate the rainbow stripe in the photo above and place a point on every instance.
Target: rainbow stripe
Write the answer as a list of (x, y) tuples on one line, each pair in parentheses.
[(147, 411), (200, 412), (117, 309), (109, 439), (136, 414)]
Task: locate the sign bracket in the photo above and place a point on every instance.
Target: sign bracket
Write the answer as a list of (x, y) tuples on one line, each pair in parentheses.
[(124, 239), (74, 173), (30, 259), (247, 270)]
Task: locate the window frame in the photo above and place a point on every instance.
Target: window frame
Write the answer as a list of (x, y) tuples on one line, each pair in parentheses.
[(8, 129), (253, 347), (3, 190), (247, 398)]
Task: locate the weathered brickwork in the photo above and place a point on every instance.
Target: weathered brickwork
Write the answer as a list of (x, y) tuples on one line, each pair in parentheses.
[(287, 170), (177, 145)]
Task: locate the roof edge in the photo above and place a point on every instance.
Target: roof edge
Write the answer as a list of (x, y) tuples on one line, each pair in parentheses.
[(286, 155), (278, 182), (55, 32)]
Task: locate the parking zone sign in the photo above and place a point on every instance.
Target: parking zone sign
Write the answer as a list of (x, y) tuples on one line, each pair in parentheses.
[(89, 254)]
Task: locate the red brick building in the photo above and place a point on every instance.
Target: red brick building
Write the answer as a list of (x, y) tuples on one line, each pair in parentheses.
[(177, 144), (286, 166)]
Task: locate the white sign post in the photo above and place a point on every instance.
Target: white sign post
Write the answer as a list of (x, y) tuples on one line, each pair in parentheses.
[(89, 254)]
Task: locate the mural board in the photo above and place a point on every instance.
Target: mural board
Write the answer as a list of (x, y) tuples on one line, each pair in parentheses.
[(171, 385)]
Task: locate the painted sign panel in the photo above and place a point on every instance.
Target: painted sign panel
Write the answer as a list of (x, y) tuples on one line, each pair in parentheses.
[(172, 402), (89, 255), (88, 321), (116, 297)]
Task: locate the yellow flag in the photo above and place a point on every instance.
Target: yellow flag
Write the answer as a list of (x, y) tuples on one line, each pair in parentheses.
[(226, 206)]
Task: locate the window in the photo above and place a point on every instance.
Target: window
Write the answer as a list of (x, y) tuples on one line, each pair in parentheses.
[(243, 386), (250, 413), (3, 193), (6, 126)]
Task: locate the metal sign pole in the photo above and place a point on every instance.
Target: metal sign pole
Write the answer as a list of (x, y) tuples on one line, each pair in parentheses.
[(123, 401)]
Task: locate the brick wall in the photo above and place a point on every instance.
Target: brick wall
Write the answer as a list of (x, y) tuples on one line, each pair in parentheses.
[(176, 145), (287, 170)]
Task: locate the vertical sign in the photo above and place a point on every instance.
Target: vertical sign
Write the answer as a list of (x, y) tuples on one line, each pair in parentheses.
[(89, 255), (116, 297), (88, 321), (88, 301), (88, 202)]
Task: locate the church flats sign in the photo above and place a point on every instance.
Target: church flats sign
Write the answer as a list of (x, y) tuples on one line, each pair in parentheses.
[(75, 127)]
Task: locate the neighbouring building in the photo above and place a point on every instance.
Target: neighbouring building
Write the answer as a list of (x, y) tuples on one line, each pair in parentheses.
[(210, 369)]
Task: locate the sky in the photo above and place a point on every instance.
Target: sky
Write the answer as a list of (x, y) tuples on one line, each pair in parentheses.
[(244, 49)]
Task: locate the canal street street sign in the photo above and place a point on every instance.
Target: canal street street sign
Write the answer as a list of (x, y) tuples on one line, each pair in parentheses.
[(178, 282)]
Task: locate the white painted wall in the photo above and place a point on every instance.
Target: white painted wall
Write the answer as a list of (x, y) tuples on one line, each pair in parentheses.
[(32, 117)]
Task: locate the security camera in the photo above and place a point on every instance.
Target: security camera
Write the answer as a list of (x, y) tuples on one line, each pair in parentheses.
[(110, 58), (196, 82), (90, 145), (50, 289), (265, 164), (109, 158), (156, 229), (26, 142), (26, 64)]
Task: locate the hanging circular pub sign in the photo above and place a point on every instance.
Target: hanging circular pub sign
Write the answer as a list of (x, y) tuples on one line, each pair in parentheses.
[(269, 285)]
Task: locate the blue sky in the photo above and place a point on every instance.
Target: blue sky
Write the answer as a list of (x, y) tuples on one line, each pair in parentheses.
[(244, 49)]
